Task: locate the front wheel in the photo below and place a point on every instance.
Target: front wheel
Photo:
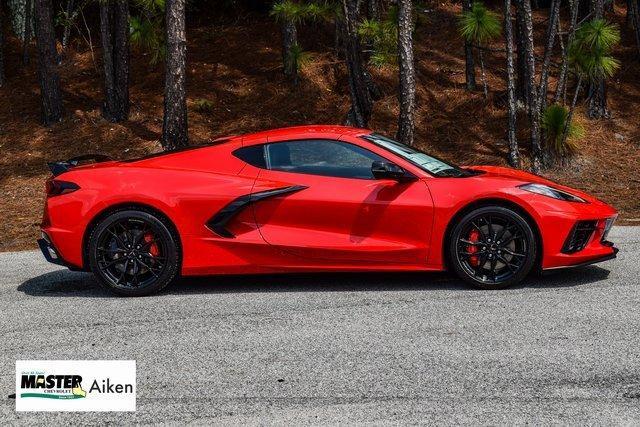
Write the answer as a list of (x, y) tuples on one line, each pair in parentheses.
[(134, 253), (492, 247)]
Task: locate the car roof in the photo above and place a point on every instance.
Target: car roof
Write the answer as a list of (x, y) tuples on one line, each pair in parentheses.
[(306, 131), (294, 132)]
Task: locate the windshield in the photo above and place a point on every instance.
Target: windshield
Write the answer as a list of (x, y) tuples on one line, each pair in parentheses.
[(424, 161)]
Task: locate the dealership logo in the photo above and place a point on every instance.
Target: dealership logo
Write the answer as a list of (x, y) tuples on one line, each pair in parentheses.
[(82, 385), (52, 386)]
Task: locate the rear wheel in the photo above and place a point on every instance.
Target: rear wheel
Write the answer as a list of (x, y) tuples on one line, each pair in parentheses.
[(134, 253), (492, 247)]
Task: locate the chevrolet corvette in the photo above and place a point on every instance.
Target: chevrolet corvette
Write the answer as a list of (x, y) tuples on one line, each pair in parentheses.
[(312, 199)]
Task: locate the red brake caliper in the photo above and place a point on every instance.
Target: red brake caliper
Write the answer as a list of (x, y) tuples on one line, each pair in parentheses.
[(153, 248), (474, 236)]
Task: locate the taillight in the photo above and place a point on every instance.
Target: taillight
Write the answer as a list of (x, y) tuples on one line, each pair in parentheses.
[(56, 188)]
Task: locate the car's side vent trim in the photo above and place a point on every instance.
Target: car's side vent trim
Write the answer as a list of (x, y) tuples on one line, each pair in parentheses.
[(218, 222)]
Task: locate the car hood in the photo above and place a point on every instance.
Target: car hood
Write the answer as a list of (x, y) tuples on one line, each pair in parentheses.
[(517, 177), (510, 174)]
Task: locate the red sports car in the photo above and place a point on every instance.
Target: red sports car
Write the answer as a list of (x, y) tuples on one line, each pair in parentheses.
[(312, 198)]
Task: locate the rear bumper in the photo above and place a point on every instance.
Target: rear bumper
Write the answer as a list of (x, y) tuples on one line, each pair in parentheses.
[(584, 263), (51, 254)]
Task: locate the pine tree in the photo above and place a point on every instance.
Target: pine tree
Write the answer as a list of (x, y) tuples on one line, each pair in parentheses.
[(174, 129), (522, 89), (68, 19), (289, 14), (514, 155), (407, 74), (590, 56), (478, 26), (47, 63), (114, 31), (361, 101), (531, 89), (554, 16), (597, 94), (28, 14), (633, 20), (469, 68), (374, 8), (561, 87), (2, 76), (556, 122)]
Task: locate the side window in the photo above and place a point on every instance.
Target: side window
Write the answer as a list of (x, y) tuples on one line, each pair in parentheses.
[(321, 157), (253, 154)]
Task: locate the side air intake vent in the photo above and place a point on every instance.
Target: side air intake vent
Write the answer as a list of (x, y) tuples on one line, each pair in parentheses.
[(579, 236)]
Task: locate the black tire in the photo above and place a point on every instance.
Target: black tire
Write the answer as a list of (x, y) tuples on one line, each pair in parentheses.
[(134, 252), (492, 247)]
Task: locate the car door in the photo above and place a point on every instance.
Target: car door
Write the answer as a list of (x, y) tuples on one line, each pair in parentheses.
[(332, 208)]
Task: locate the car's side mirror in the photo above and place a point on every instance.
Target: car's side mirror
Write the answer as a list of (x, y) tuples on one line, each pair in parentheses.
[(388, 170)]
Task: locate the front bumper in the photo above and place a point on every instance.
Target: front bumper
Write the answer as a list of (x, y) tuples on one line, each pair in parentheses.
[(601, 258), (578, 240)]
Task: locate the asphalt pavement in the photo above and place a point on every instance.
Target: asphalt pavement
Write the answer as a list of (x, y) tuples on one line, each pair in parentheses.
[(341, 348)]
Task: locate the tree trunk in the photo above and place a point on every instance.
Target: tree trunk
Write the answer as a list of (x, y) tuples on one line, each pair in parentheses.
[(514, 155), (597, 8), (374, 9), (121, 57), (563, 67), (289, 40), (609, 6), (554, 16), (565, 132), (584, 10), (485, 91), (28, 12), (561, 87), (67, 27), (361, 102), (635, 21), (407, 93), (339, 36), (174, 129), (374, 90), (114, 32), (106, 35), (522, 92), (525, 6), (597, 105), (470, 69), (2, 76), (47, 63)]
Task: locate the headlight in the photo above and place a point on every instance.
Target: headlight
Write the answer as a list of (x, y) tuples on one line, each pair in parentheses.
[(607, 227), (554, 193)]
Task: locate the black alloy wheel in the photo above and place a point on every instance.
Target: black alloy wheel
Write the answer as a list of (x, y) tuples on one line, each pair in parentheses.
[(134, 253), (492, 247)]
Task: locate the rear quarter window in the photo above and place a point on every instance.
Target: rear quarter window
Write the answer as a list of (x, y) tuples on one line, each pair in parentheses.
[(254, 155)]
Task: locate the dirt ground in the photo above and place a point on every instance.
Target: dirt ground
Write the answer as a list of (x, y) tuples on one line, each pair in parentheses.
[(238, 69)]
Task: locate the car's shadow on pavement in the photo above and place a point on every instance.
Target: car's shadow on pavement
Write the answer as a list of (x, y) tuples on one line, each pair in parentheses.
[(64, 283)]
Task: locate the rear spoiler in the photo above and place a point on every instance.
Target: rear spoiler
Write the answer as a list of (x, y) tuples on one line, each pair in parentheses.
[(62, 166)]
